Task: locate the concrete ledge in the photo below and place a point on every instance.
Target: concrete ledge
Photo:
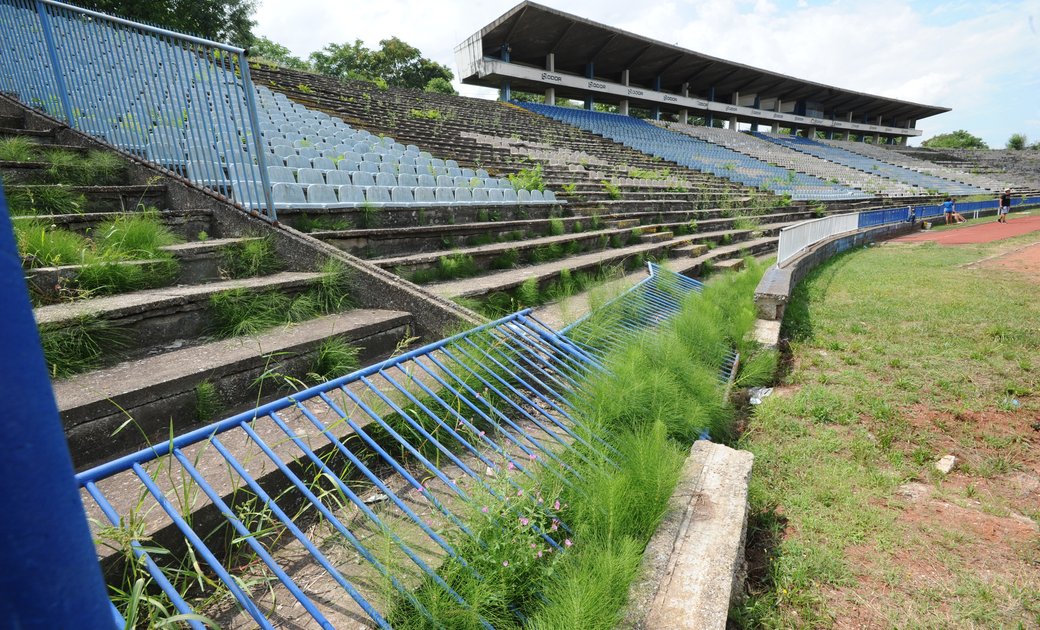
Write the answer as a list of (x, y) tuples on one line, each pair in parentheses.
[(694, 564)]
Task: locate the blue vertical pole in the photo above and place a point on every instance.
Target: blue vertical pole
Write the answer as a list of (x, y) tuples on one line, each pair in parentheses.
[(52, 54), (50, 577)]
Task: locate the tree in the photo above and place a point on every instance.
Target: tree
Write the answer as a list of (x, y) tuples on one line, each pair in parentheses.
[(219, 20), (959, 139), (440, 85), (396, 62), (263, 48), (1017, 141)]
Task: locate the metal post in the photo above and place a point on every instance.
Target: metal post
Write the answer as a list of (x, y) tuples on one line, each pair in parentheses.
[(52, 54), (47, 551), (254, 125)]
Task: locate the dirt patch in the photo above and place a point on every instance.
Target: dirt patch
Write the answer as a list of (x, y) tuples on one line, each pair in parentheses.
[(971, 529), (1025, 260)]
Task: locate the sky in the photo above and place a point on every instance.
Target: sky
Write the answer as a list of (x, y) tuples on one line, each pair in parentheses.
[(980, 58)]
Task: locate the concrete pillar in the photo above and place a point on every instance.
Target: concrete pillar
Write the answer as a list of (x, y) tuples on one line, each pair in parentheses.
[(710, 118), (811, 132), (550, 92), (733, 119), (684, 114), (777, 108), (623, 105), (505, 93), (656, 112), (590, 72)]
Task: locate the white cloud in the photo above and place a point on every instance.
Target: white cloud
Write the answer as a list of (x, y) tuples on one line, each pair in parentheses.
[(979, 58)]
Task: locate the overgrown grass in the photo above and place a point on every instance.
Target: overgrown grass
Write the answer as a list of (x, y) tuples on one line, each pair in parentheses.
[(450, 267), (891, 371), (240, 312), (660, 393), (16, 149), (105, 257), (334, 358), (32, 200), (96, 168), (79, 345), (256, 257)]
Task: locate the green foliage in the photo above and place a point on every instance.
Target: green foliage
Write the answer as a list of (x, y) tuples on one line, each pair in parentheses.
[(395, 63), (29, 200), (217, 20), (134, 236), (528, 179), (557, 227), (17, 149), (240, 312), (335, 357), (78, 346), (306, 223), (527, 294), (425, 114), (440, 85), (959, 139), (255, 257), (41, 245), (1017, 142), (613, 191), (207, 402), (265, 50), (97, 168)]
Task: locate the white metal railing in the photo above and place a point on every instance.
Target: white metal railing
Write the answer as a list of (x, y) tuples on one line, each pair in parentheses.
[(795, 238)]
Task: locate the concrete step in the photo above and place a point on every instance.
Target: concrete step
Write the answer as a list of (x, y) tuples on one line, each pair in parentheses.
[(187, 224), (153, 318), (196, 262), (622, 224), (106, 198), (655, 236), (159, 393)]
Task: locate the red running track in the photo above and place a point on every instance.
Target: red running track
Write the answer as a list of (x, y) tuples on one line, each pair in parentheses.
[(979, 233)]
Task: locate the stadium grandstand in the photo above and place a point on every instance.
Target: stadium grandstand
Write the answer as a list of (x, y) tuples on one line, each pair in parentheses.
[(214, 246)]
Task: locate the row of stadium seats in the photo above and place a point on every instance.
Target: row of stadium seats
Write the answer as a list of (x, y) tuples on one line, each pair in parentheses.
[(871, 165), (797, 161), (697, 154), (292, 195)]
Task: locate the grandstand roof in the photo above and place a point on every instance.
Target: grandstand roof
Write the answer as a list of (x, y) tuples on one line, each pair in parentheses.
[(533, 31)]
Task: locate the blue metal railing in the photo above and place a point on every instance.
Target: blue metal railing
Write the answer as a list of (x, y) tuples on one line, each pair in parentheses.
[(185, 103), (471, 415)]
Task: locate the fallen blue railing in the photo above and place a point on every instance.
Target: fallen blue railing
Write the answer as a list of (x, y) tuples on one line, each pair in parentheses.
[(424, 432), (185, 103)]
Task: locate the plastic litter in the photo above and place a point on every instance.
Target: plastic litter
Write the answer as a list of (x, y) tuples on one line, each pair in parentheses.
[(758, 394)]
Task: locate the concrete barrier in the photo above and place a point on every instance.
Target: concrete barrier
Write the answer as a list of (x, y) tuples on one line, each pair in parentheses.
[(694, 564)]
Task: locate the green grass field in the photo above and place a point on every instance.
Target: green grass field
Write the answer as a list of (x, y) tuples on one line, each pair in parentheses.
[(901, 354)]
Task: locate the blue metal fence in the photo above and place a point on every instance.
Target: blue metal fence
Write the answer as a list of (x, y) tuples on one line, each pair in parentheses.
[(426, 433), (185, 103)]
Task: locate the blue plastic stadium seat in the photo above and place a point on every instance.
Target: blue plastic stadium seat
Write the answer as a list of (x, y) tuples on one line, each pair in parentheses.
[(309, 176), (401, 194), (288, 195)]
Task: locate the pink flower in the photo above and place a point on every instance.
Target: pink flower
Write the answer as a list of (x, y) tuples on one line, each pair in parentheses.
[(505, 563), (524, 521), (484, 509), (556, 504), (481, 434), (539, 554), (510, 466), (555, 525), (567, 542), (533, 457), (533, 545), (520, 492)]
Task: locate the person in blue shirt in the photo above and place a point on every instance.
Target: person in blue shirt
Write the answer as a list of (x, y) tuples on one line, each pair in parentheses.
[(948, 210)]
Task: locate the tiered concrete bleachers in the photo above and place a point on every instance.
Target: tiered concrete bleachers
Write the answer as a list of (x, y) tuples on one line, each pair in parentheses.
[(871, 165), (773, 153), (319, 161), (885, 154), (655, 210), (703, 156)]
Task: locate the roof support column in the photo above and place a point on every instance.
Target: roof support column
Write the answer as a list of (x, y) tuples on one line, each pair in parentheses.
[(684, 114), (590, 72), (657, 88), (776, 124), (757, 105), (733, 119), (505, 93), (623, 105), (810, 133), (550, 92), (711, 98)]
